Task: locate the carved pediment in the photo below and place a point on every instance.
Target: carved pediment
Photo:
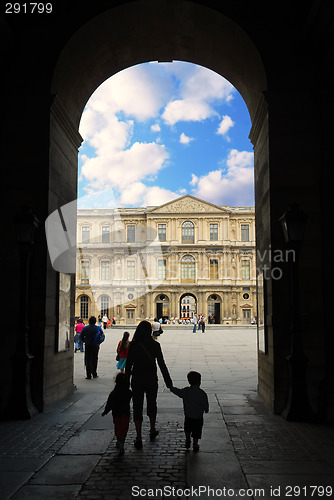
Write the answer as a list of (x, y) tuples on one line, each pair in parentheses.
[(188, 204)]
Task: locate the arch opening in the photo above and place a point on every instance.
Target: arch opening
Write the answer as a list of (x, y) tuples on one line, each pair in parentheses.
[(87, 61)]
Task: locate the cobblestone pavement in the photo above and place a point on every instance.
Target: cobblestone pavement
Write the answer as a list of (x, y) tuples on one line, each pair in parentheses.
[(69, 451), (160, 463)]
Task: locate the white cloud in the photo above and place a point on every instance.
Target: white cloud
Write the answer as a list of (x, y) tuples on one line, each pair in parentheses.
[(194, 180), (207, 85), (187, 110), (184, 139), (225, 125), (140, 94), (117, 163), (234, 186), (125, 167), (155, 127), (141, 195), (201, 87)]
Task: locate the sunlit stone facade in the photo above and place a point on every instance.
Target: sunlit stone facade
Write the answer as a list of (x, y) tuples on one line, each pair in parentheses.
[(182, 258)]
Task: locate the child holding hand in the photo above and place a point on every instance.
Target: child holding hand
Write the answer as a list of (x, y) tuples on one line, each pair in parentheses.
[(195, 403)]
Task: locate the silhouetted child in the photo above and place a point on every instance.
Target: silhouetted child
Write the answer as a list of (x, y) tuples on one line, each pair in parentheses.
[(119, 404), (195, 403)]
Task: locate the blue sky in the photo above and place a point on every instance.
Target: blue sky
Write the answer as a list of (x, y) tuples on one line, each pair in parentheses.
[(157, 131)]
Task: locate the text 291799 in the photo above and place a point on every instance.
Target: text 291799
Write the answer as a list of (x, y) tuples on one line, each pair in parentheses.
[(28, 8)]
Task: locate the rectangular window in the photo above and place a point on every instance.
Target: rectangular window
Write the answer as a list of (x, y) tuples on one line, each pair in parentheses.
[(244, 232), (84, 307), (85, 271), (131, 233), (188, 271), (188, 232), (162, 232), (245, 269), (213, 232), (105, 234), (162, 269), (85, 234), (105, 270), (131, 269), (214, 269)]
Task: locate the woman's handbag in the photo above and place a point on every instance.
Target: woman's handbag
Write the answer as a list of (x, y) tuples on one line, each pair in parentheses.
[(118, 356)]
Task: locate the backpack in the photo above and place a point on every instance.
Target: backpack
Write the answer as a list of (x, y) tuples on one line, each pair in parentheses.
[(99, 336)]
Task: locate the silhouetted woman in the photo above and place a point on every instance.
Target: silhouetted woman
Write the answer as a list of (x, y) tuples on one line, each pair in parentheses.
[(141, 368)]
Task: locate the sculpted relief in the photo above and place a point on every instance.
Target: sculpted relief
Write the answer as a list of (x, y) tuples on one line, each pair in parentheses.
[(188, 204)]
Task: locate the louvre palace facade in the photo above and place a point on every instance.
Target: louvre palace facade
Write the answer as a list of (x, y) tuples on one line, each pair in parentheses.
[(172, 261)]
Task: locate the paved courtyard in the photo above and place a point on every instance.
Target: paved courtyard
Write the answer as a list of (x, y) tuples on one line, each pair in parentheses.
[(69, 450)]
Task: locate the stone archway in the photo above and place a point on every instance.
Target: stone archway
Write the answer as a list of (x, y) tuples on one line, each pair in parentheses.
[(129, 35), (187, 306), (284, 91)]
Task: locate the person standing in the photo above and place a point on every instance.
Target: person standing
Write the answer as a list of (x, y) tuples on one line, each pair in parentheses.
[(105, 321), (77, 337), (156, 329), (203, 324), (195, 403), (194, 321), (88, 335), (122, 351), (119, 404), (141, 368)]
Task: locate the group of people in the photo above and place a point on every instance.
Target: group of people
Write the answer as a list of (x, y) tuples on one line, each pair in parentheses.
[(137, 362), (105, 321), (199, 323)]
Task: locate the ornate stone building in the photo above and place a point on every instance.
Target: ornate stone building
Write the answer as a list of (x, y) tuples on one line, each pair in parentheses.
[(182, 258)]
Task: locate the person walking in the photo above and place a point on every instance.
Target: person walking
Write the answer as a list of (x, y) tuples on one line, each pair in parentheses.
[(195, 403), (77, 337), (122, 351), (194, 321), (119, 404), (92, 336), (203, 324), (141, 368)]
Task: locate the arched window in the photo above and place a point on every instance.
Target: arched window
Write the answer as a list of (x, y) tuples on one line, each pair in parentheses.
[(104, 305), (188, 232), (188, 269), (84, 306)]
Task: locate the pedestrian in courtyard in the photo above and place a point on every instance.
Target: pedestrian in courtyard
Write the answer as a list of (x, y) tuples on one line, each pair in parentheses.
[(92, 335), (77, 337), (156, 329), (194, 322), (141, 368), (203, 324), (105, 321), (119, 404), (122, 351), (195, 404)]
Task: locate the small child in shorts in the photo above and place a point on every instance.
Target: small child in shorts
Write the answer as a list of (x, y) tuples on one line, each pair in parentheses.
[(119, 404), (195, 403)]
